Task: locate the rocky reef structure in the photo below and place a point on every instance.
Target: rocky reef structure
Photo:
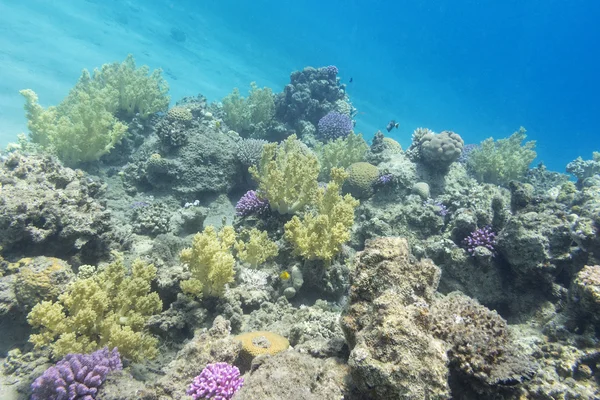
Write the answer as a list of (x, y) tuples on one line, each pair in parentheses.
[(393, 353), (47, 209)]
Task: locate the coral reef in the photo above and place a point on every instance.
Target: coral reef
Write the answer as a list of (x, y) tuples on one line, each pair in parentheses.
[(340, 153), (249, 116), (250, 204), (333, 126), (361, 178)]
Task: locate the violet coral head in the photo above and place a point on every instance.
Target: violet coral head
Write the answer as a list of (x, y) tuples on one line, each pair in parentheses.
[(251, 203), (218, 381), (481, 237), (334, 125), (384, 180), (77, 376), (331, 70)]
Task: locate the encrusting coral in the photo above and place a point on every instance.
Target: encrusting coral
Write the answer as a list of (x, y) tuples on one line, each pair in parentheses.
[(100, 308)]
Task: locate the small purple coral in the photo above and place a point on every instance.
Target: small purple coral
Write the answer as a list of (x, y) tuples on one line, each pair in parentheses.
[(481, 237), (77, 376), (384, 180), (250, 204), (331, 70), (218, 381), (334, 125)]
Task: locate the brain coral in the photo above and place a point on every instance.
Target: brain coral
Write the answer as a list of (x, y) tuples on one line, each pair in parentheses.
[(442, 149), (361, 177), (181, 114)]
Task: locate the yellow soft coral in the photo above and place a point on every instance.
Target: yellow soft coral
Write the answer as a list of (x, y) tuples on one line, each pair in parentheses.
[(108, 308), (319, 234), (210, 261), (287, 175), (258, 249)]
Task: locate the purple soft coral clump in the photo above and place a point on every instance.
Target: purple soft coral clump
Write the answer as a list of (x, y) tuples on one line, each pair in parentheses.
[(331, 70), (218, 381), (77, 376), (251, 203), (442, 210), (481, 237), (334, 125), (384, 180)]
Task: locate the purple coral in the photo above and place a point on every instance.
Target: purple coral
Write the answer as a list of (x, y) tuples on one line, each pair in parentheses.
[(384, 180), (334, 125), (251, 203), (331, 70), (77, 376), (481, 237), (442, 210), (218, 381)]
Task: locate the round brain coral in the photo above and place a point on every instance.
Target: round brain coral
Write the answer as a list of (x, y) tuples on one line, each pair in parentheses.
[(391, 145), (180, 114), (361, 177), (261, 342)]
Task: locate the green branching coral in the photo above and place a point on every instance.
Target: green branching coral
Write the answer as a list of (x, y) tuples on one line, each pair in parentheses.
[(107, 307), (84, 126), (210, 261), (319, 234), (249, 116), (341, 153), (502, 161), (287, 175)]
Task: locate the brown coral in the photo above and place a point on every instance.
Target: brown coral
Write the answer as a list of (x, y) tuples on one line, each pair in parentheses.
[(261, 342)]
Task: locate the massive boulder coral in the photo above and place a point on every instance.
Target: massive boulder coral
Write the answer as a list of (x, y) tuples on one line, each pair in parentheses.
[(439, 150), (393, 354), (481, 353), (310, 95), (46, 209)]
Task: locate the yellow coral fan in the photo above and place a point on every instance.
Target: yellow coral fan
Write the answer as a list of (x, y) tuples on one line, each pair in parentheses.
[(108, 308), (320, 234), (210, 261), (261, 342), (287, 175), (258, 249)]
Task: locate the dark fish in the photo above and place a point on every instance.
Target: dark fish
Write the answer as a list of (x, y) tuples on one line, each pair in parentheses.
[(391, 125), (350, 81)]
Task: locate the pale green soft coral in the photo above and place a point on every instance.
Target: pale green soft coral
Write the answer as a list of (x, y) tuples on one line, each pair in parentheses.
[(501, 161), (320, 233), (287, 175), (341, 153), (84, 126), (105, 308), (249, 116)]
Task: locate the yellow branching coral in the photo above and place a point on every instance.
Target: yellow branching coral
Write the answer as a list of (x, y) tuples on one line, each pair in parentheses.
[(287, 175), (258, 249), (319, 234), (210, 261), (105, 308)]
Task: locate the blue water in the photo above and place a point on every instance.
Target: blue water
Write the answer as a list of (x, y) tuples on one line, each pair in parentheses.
[(480, 68)]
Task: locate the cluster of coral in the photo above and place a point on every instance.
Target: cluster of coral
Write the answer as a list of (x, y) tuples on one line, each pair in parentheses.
[(260, 248)]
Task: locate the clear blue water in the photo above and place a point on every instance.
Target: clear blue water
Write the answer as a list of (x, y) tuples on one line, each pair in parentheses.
[(480, 68)]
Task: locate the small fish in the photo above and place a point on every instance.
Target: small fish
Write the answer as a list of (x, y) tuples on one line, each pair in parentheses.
[(350, 81), (284, 276), (391, 125)]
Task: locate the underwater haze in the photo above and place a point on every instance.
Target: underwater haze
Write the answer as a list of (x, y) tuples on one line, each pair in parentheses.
[(480, 68)]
